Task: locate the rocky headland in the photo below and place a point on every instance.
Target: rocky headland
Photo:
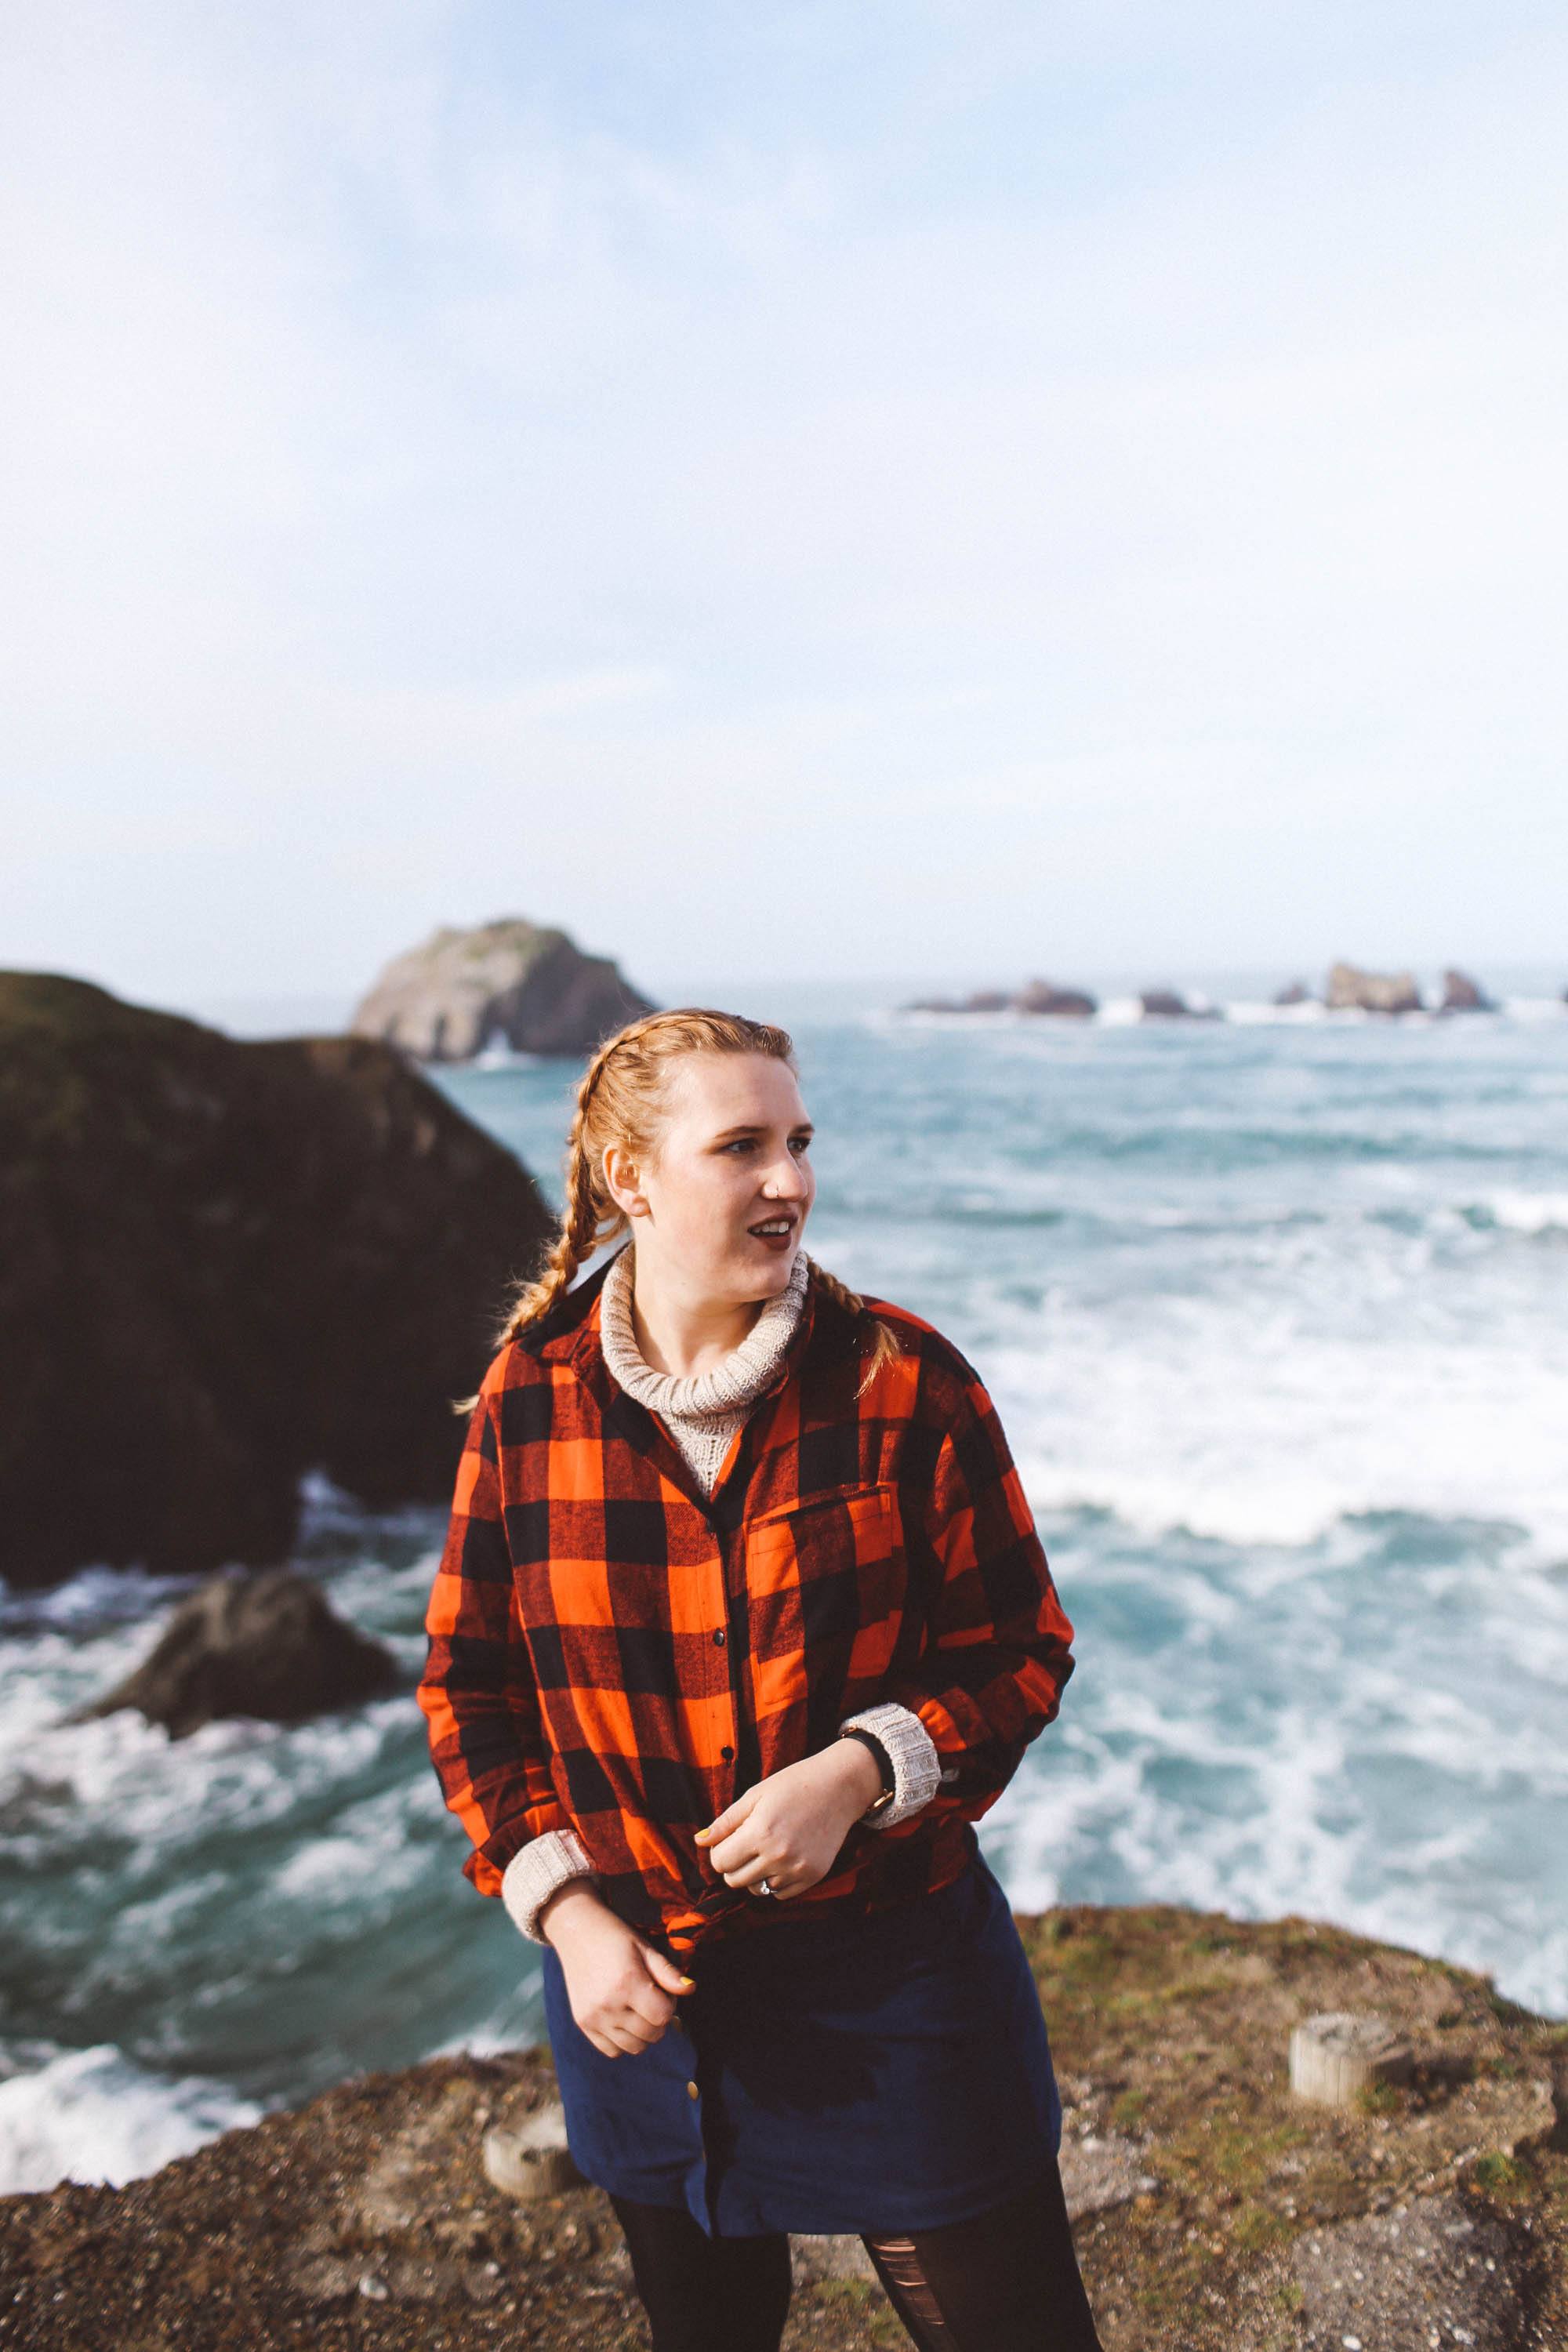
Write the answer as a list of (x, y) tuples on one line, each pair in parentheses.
[(230, 1263), (509, 982), (1216, 2211)]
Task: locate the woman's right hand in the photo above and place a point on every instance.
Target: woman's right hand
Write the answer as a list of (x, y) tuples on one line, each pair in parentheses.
[(622, 1991)]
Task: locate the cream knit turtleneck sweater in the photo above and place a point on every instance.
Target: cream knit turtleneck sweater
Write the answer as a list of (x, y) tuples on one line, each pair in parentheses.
[(703, 1411)]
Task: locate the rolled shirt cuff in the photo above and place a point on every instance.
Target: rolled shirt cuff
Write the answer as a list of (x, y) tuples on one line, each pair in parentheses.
[(912, 1752), (534, 1872)]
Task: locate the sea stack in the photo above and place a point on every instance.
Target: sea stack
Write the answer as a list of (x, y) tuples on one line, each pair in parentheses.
[(1036, 997), (1165, 1004), (1041, 996), (1351, 989), (979, 1000), (1463, 995), (509, 982)]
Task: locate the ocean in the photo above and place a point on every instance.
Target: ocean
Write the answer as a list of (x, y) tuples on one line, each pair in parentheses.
[(1272, 1312)]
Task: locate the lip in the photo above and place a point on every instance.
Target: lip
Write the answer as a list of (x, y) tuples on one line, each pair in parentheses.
[(776, 1241)]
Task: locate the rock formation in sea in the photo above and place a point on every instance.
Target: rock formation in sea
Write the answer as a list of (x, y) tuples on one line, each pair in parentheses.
[(1351, 990), (509, 982), (1059, 1003), (1463, 995), (1213, 2209), (1165, 1004), (1036, 996), (228, 1263), (269, 1646), (979, 1000), (1295, 992)]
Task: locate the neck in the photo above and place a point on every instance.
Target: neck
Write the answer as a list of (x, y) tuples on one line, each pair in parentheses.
[(681, 1331)]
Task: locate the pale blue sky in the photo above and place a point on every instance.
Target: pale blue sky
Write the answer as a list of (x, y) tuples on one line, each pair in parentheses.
[(806, 491)]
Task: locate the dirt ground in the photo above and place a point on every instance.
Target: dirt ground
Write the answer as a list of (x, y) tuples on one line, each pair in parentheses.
[(1213, 2211)]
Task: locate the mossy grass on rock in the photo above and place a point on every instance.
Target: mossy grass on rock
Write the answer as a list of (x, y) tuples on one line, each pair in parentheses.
[(1213, 2209), (228, 1263), (509, 982)]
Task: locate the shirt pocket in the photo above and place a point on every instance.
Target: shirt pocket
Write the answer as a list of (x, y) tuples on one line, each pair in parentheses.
[(828, 1582)]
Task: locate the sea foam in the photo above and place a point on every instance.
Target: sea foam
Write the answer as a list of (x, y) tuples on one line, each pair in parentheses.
[(91, 2115)]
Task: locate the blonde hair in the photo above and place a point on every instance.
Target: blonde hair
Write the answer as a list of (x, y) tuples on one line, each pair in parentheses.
[(620, 1100)]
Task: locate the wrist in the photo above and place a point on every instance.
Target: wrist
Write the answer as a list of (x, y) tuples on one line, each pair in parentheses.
[(860, 1772), (569, 1903)]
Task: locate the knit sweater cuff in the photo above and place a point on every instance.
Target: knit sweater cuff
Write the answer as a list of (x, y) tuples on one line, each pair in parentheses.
[(917, 1766), (534, 1872)]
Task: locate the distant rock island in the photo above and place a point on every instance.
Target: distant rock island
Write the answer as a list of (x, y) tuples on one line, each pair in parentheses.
[(1039, 996), (1347, 989), (227, 1262), (1350, 988), (1463, 995), (509, 982), (1165, 1004), (1044, 999)]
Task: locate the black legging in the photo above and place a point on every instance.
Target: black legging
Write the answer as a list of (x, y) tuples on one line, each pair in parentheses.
[(1006, 2281)]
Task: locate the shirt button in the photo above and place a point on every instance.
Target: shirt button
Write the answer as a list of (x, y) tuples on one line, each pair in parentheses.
[(691, 2090), (719, 1636), (727, 1754)]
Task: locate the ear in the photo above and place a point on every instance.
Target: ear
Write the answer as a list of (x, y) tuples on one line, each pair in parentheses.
[(621, 1174)]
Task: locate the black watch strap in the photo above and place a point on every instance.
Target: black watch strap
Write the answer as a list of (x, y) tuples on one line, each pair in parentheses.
[(884, 1761)]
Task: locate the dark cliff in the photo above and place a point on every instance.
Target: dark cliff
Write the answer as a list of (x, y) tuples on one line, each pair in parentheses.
[(228, 1263)]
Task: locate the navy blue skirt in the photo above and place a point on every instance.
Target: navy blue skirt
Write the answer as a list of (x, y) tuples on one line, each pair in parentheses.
[(829, 2076)]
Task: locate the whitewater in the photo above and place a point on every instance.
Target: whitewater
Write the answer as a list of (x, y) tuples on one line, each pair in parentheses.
[(1273, 1310)]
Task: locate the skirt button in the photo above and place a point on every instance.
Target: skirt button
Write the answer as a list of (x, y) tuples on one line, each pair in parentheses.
[(691, 2090)]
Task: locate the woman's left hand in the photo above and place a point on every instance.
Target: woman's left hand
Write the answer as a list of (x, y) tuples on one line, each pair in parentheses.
[(789, 1828)]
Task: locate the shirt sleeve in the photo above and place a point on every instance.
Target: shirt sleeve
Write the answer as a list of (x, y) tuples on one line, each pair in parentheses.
[(479, 1696), (998, 1650)]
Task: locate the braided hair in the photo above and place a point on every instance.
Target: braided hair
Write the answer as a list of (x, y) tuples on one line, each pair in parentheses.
[(618, 1100)]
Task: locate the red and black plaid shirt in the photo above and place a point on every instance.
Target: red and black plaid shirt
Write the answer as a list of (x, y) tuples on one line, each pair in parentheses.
[(613, 1651)]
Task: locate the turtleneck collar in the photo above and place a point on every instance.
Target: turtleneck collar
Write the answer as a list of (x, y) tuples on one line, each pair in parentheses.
[(726, 1388)]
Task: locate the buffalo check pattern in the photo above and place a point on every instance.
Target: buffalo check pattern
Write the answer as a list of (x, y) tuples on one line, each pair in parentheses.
[(614, 1653)]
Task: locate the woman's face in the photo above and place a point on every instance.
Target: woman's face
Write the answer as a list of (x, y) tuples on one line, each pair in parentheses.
[(731, 1160)]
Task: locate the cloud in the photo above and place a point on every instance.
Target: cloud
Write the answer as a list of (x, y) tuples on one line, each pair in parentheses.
[(796, 458)]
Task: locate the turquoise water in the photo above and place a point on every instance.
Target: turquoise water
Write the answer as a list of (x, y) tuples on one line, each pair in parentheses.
[(1273, 1315)]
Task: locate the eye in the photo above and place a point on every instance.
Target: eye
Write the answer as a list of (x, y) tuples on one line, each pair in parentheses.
[(800, 1143)]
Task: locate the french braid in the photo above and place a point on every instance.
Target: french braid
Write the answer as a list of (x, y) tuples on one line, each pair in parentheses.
[(885, 1341), (618, 1100)]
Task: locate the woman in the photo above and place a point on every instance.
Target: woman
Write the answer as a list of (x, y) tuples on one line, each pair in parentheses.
[(740, 1624)]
